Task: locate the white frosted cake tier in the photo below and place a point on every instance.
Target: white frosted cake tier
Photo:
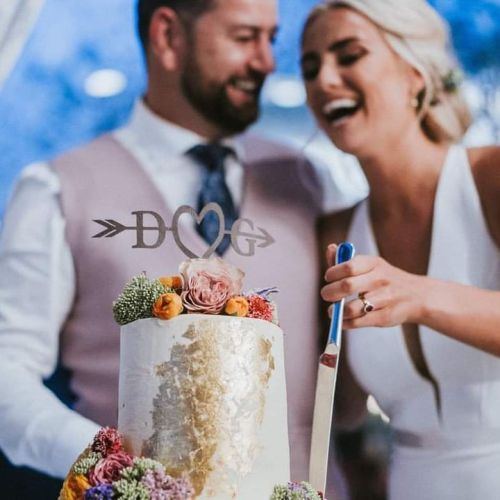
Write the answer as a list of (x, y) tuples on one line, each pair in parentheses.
[(205, 395)]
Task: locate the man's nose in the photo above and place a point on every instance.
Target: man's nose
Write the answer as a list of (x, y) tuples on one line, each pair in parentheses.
[(263, 58)]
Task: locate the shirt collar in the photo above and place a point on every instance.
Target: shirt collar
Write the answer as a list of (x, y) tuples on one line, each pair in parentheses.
[(166, 138)]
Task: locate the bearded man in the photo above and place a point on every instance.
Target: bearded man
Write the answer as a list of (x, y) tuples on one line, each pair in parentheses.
[(207, 61)]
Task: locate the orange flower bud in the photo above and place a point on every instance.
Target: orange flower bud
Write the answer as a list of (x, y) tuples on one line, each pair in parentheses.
[(74, 487), (237, 306), (174, 282), (167, 306)]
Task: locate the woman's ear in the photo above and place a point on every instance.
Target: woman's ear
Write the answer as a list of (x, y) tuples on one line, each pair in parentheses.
[(417, 83), (165, 37)]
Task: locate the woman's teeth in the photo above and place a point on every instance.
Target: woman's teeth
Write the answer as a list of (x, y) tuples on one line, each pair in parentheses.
[(340, 108)]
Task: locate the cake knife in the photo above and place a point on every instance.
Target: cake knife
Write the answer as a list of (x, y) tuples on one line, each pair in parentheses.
[(325, 388)]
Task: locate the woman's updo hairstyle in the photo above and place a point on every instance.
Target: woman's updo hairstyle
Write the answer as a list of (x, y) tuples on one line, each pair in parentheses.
[(417, 33)]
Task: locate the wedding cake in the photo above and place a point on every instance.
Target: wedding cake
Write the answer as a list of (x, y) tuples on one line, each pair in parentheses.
[(202, 400), (204, 392)]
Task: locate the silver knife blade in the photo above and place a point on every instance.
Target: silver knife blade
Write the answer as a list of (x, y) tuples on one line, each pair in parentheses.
[(322, 420), (325, 389)]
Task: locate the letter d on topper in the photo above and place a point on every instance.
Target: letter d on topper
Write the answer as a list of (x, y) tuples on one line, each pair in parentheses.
[(140, 228)]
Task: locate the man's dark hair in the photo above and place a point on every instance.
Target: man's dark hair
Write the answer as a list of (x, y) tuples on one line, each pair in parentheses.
[(187, 10)]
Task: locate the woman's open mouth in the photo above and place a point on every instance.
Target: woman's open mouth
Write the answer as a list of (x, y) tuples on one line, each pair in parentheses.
[(339, 110)]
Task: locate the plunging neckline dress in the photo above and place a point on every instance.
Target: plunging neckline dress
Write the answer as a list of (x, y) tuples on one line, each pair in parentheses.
[(447, 428)]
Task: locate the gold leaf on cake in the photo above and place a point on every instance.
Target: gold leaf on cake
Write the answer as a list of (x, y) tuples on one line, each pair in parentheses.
[(210, 404)]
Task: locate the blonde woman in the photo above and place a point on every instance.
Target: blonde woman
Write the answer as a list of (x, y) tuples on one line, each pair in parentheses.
[(423, 312)]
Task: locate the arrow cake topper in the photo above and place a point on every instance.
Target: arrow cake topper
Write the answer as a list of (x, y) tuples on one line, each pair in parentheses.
[(242, 229)]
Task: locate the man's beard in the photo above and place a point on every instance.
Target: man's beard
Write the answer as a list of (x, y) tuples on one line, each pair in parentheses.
[(211, 100)]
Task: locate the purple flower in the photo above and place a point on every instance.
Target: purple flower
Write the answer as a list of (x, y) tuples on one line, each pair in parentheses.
[(265, 292), (164, 487), (101, 492), (292, 486)]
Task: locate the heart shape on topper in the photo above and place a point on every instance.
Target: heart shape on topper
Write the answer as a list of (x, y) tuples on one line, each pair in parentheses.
[(186, 209)]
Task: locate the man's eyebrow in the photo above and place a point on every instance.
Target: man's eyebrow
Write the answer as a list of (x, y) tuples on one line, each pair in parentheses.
[(253, 27)]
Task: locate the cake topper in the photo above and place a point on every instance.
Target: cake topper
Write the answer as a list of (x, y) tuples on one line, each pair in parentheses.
[(245, 236)]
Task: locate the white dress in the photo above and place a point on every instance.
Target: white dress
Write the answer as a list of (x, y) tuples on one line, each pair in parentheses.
[(455, 456)]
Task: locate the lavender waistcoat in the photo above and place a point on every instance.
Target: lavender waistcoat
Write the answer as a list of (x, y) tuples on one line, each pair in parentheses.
[(103, 181)]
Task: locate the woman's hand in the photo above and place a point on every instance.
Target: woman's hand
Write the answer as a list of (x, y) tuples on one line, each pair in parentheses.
[(393, 293)]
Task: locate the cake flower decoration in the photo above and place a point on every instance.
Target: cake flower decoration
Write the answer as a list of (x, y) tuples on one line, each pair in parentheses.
[(167, 305), (209, 284), (295, 491), (105, 471), (173, 282), (108, 469), (237, 306), (203, 286), (107, 441), (101, 492), (259, 308), (74, 487)]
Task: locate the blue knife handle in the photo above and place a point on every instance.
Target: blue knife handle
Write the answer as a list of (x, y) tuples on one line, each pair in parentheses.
[(345, 252)]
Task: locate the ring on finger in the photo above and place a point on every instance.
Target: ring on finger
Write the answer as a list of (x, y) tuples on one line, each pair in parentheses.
[(367, 305)]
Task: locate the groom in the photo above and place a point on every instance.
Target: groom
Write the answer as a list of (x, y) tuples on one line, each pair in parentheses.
[(207, 61)]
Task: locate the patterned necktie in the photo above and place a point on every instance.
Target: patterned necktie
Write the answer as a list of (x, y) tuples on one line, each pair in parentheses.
[(214, 189)]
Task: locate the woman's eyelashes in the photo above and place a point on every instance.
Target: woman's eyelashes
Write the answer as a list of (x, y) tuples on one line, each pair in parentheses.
[(350, 57), (311, 64)]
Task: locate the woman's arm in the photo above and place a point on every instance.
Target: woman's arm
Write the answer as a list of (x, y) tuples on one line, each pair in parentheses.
[(485, 165), (465, 313), (480, 308)]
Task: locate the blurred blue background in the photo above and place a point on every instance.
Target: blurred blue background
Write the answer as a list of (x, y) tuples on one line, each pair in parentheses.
[(81, 70)]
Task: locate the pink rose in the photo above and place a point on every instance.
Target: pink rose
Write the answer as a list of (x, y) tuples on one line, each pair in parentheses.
[(108, 469), (208, 284)]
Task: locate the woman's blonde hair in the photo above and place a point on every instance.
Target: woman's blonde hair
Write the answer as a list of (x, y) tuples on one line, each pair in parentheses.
[(417, 33)]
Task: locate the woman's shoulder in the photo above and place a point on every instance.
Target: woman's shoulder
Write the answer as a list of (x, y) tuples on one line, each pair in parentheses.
[(484, 159), (485, 166)]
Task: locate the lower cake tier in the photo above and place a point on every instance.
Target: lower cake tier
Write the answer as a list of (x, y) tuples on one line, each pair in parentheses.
[(206, 397)]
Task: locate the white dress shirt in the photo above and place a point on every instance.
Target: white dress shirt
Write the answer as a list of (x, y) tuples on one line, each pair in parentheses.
[(37, 284)]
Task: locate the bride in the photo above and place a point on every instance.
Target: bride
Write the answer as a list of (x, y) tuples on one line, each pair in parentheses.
[(424, 308)]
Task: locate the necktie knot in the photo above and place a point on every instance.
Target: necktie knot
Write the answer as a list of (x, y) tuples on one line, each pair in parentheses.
[(211, 156)]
